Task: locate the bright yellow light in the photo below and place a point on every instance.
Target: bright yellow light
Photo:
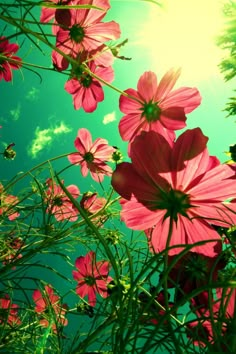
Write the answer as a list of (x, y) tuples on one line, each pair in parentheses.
[(183, 34)]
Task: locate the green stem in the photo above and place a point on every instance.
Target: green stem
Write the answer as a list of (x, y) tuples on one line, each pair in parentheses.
[(165, 288)]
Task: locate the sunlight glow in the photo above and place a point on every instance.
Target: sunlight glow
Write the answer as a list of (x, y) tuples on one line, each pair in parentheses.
[(183, 33)]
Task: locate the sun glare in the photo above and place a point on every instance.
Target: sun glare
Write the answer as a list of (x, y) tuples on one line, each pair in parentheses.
[(183, 33)]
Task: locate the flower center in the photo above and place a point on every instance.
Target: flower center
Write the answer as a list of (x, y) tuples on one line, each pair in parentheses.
[(151, 111), (76, 33), (58, 201), (90, 281), (175, 202), (88, 157)]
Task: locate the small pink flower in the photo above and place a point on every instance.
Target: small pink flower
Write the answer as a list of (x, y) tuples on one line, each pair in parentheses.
[(85, 31), (6, 65), (7, 204), (8, 312), (92, 277), (156, 107), (47, 304), (92, 156), (59, 204), (12, 246), (93, 204), (181, 183), (86, 90)]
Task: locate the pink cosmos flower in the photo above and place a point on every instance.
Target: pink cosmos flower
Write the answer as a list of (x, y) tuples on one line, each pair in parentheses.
[(181, 183), (12, 250), (92, 156), (7, 204), (156, 107), (48, 13), (101, 56), (47, 304), (86, 90), (93, 204), (59, 204), (6, 65), (8, 312), (92, 277), (221, 314), (85, 31)]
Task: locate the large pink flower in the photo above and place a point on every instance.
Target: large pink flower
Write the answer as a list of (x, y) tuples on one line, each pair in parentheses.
[(92, 277), (85, 31), (86, 90), (92, 156), (59, 204), (6, 65), (156, 107), (180, 183), (47, 304), (7, 204)]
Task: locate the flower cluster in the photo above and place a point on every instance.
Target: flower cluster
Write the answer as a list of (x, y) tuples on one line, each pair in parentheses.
[(80, 40)]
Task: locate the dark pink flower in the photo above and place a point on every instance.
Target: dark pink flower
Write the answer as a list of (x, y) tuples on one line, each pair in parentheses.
[(49, 13), (47, 304), (59, 204), (7, 204), (8, 312), (7, 52), (216, 312), (156, 107), (181, 183), (85, 31), (92, 277), (86, 90), (92, 156)]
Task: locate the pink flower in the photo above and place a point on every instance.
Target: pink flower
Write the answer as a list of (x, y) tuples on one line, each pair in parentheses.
[(7, 204), (48, 13), (180, 183), (92, 156), (8, 312), (156, 107), (93, 204), (47, 304), (59, 204), (6, 65), (85, 31), (220, 316), (86, 90), (92, 277), (12, 250)]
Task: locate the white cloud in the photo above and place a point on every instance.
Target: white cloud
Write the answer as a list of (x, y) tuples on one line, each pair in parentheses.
[(110, 117), (15, 113), (33, 94), (44, 138)]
